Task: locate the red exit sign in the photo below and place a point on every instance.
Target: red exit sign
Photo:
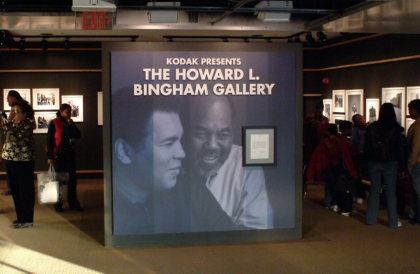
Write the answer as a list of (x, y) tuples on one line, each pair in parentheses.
[(97, 20)]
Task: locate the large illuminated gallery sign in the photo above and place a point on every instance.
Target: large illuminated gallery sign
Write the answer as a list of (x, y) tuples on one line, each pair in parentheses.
[(176, 138)]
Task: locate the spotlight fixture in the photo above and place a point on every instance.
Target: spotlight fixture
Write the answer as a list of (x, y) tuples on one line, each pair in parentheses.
[(67, 44), (310, 39), (22, 43), (290, 40), (321, 36), (170, 39), (224, 39), (44, 44), (133, 39), (6, 39), (296, 39), (269, 40), (246, 40)]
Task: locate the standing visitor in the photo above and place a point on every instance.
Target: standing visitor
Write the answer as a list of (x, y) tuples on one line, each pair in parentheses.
[(384, 142), (360, 162), (314, 126), (62, 132), (18, 155), (413, 137), (12, 97)]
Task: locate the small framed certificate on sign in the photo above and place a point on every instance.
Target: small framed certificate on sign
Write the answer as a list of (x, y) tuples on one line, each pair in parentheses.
[(259, 145)]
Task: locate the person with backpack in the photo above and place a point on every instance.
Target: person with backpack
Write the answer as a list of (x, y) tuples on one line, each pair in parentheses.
[(387, 152), (62, 132), (330, 161)]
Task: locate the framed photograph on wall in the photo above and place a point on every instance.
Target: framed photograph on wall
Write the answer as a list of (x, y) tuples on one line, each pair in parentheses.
[(24, 92), (338, 101), (46, 98), (100, 109), (408, 123), (42, 120), (372, 110), (413, 93), (337, 118), (396, 96), (354, 103), (327, 108), (76, 103)]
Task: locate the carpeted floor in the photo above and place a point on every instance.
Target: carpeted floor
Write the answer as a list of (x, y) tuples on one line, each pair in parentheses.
[(72, 242)]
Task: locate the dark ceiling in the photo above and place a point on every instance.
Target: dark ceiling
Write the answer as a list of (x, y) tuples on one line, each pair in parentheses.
[(311, 6), (214, 18)]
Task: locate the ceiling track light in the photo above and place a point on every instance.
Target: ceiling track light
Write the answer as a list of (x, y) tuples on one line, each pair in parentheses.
[(246, 40), (22, 43), (44, 44), (309, 39), (295, 37), (321, 36), (67, 44), (6, 39)]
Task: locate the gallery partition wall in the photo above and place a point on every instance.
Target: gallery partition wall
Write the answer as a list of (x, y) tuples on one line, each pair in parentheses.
[(202, 142)]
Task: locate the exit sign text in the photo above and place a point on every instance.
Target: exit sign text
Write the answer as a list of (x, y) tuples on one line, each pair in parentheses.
[(96, 20)]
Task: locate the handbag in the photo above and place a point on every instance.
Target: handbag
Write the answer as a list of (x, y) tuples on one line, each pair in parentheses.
[(52, 186)]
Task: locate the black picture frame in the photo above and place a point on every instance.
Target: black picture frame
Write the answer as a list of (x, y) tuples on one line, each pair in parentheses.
[(259, 146)]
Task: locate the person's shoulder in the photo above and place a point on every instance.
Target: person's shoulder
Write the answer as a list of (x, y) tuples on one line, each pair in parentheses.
[(235, 154)]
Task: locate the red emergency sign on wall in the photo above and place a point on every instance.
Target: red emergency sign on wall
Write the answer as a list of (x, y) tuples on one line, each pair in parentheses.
[(97, 20)]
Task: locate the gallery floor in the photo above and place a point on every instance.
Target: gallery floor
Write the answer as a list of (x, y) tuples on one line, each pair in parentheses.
[(72, 242)]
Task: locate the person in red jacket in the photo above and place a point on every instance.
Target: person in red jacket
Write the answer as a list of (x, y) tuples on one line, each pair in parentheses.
[(331, 159), (62, 132)]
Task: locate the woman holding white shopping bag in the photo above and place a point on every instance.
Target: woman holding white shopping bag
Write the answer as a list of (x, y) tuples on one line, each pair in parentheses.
[(62, 132), (18, 156)]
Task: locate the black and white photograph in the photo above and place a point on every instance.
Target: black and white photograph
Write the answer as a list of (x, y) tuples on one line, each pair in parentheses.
[(42, 120), (76, 104), (396, 96), (327, 108), (46, 98), (24, 92), (354, 105), (372, 109), (338, 100), (413, 93), (338, 118)]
